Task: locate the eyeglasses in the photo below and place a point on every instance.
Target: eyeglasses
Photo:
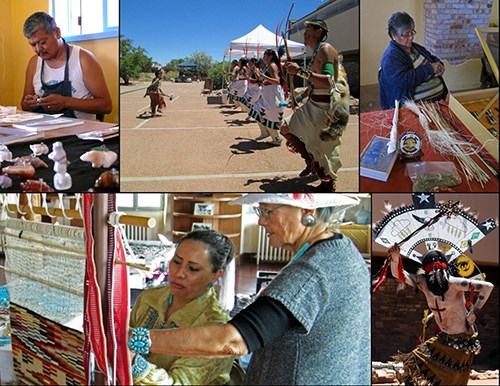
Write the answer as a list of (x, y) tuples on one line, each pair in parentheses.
[(264, 212), (407, 34)]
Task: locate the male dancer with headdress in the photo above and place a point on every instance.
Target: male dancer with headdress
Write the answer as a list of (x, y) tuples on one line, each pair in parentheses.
[(445, 358), (315, 129)]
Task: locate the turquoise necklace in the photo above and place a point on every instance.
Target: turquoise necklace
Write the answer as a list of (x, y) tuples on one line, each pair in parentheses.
[(171, 298)]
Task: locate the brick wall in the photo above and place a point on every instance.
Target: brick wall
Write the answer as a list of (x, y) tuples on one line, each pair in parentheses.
[(450, 28), (396, 324)]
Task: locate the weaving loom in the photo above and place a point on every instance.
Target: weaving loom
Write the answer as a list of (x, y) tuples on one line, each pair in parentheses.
[(45, 267), (68, 287)]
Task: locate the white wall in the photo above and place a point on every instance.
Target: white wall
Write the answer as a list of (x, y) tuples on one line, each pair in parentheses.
[(374, 40)]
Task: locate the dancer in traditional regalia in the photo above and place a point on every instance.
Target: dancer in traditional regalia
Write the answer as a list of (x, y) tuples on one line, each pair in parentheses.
[(315, 129), (231, 74), (254, 88), (156, 94), (269, 116), (240, 83), (445, 358)]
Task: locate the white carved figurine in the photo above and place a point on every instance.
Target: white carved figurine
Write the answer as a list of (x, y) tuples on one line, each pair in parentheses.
[(62, 179), (5, 153)]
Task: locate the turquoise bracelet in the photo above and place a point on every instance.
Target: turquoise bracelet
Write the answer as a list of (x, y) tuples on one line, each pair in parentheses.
[(140, 341), (140, 366)]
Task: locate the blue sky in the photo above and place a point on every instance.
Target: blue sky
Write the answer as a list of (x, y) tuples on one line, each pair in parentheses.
[(172, 29)]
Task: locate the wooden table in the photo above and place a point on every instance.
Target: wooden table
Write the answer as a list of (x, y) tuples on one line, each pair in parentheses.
[(380, 123)]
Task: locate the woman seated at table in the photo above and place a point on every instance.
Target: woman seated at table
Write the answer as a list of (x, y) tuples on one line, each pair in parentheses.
[(189, 300), (408, 71)]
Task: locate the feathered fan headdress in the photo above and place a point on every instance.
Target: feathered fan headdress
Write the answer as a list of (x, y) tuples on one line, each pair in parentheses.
[(431, 224)]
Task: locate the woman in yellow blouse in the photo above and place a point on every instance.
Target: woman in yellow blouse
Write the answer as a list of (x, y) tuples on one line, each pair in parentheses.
[(189, 300)]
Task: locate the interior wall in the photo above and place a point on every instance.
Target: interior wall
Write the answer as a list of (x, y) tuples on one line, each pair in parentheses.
[(6, 80), (106, 51), (374, 40), (15, 54), (250, 226), (484, 204)]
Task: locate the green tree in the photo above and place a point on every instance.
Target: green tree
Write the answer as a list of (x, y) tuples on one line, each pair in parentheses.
[(216, 72), (133, 60), (203, 61)]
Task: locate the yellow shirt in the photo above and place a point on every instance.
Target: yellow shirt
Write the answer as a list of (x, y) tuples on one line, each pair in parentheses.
[(149, 312)]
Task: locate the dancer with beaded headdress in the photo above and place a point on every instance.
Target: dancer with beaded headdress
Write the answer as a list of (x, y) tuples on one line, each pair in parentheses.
[(445, 358), (315, 129)]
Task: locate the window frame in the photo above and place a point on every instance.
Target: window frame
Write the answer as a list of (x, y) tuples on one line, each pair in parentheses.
[(108, 32), (138, 208)]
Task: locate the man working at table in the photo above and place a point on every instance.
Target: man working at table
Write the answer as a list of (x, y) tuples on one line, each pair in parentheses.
[(61, 78)]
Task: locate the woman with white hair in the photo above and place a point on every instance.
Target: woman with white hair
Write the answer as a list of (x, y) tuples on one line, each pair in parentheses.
[(311, 324), (408, 71)]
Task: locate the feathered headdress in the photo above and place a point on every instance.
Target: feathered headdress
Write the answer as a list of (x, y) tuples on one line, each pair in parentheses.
[(426, 226), (446, 223)]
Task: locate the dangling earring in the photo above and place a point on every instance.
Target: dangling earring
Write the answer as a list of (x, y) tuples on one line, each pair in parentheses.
[(308, 220), (210, 285)]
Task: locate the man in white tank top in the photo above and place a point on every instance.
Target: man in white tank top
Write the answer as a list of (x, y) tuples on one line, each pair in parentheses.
[(61, 78)]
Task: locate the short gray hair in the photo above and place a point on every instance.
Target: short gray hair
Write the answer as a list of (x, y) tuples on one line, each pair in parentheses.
[(39, 20), (330, 216), (399, 22)]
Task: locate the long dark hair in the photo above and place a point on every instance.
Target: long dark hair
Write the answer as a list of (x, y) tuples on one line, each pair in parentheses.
[(436, 279), (276, 60)]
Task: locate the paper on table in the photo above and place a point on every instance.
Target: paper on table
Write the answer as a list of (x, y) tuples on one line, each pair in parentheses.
[(101, 135), (49, 123), (21, 117), (9, 135)]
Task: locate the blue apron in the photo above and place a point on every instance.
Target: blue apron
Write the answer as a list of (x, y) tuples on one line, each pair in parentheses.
[(62, 88)]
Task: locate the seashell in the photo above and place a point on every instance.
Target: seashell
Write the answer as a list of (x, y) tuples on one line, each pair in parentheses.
[(5, 182), (5, 153), (22, 170), (36, 186), (100, 157), (39, 149)]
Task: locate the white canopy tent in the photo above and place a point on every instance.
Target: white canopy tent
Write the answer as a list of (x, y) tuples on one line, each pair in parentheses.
[(254, 43)]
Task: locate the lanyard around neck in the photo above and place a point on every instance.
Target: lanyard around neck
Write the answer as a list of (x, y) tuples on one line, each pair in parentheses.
[(300, 252), (66, 77)]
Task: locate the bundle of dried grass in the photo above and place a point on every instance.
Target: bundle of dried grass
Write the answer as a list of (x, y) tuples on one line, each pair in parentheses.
[(442, 139)]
